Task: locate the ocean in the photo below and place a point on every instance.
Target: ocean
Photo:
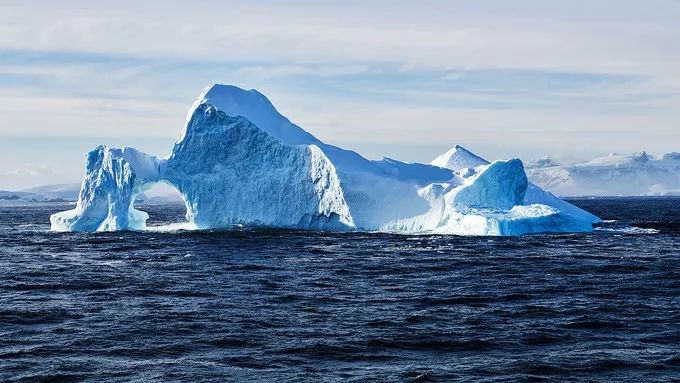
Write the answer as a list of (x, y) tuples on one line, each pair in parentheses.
[(294, 306)]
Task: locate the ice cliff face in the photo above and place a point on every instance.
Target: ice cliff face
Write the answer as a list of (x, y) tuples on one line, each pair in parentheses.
[(613, 175), (239, 161), (500, 185), (231, 172)]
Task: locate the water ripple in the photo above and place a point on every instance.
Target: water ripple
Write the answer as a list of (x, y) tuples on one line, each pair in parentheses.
[(279, 305)]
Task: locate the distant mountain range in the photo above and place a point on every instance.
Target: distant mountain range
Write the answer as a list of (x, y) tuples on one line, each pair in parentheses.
[(69, 193), (638, 174), (45, 193)]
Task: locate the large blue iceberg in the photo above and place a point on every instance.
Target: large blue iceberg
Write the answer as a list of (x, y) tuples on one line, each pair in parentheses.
[(238, 161)]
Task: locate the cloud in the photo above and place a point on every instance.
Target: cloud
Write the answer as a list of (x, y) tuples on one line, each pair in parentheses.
[(24, 176), (503, 75), (176, 80), (29, 171), (611, 36)]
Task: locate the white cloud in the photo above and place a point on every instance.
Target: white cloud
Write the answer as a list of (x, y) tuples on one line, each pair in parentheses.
[(25, 175), (29, 171)]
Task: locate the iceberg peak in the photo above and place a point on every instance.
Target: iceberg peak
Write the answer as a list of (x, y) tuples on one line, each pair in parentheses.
[(458, 158), (255, 107)]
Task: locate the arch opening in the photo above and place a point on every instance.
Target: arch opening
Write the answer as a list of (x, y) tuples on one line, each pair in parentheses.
[(165, 206)]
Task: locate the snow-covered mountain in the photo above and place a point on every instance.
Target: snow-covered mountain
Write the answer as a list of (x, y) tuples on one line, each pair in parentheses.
[(69, 193), (66, 192), (8, 197), (41, 194), (638, 174), (239, 161)]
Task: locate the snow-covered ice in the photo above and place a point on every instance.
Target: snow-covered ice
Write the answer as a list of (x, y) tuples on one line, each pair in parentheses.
[(239, 161), (613, 175), (113, 177), (227, 171), (464, 162)]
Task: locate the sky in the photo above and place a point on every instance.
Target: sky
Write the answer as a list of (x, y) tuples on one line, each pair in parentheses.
[(525, 78)]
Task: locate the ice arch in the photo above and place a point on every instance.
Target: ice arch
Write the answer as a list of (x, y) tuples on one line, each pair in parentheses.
[(113, 178), (173, 212), (227, 170)]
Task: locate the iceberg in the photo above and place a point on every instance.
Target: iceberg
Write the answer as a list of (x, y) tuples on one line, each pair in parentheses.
[(238, 161)]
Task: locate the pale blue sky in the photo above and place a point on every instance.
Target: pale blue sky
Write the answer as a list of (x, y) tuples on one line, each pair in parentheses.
[(520, 78)]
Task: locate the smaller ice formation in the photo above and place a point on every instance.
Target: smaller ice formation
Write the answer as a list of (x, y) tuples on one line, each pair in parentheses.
[(238, 161), (113, 177), (458, 158), (465, 162)]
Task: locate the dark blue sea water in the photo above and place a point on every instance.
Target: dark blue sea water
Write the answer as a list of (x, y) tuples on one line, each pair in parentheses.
[(270, 305)]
